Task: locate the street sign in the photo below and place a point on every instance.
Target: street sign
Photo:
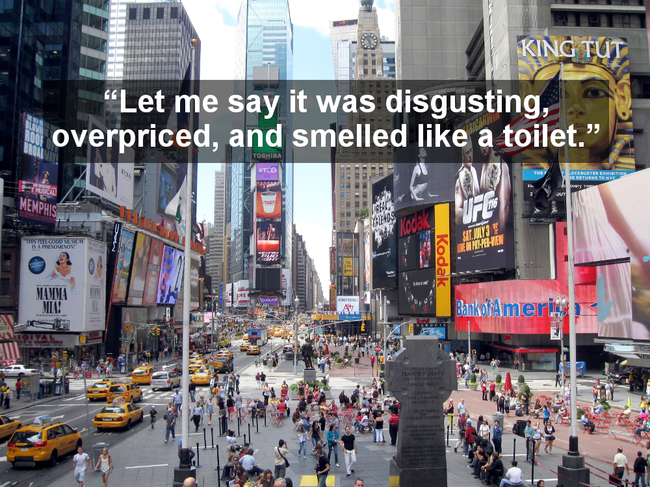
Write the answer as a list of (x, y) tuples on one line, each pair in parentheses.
[(377, 349), (89, 375), (128, 327)]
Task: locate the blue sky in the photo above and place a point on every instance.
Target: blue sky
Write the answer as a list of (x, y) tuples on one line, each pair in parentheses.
[(215, 22)]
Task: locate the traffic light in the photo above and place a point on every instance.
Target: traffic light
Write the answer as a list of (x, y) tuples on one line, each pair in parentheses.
[(65, 355), (157, 331), (363, 327), (411, 329)]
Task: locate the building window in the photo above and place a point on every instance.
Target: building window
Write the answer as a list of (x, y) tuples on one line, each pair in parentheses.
[(560, 19), (594, 20), (174, 13), (160, 13), (342, 195), (4, 286), (133, 13), (146, 13), (342, 185), (6, 262)]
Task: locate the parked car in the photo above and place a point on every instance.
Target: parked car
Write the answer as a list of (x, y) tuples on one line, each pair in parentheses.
[(16, 370), (165, 379), (639, 375)]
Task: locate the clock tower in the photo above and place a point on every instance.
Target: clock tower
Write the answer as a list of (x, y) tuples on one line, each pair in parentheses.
[(370, 55)]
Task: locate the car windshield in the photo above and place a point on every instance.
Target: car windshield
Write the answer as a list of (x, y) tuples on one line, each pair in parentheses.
[(113, 409), (140, 371), (27, 437), (117, 389), (99, 385), (159, 375)]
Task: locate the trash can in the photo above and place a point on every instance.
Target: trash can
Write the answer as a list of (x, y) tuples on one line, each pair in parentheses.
[(497, 417), (122, 368), (519, 427), (67, 385), (264, 361), (98, 447), (49, 388)]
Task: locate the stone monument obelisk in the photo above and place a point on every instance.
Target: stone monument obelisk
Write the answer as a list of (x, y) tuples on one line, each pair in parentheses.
[(421, 376)]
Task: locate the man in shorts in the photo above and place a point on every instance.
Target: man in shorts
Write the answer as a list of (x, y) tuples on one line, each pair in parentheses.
[(81, 462)]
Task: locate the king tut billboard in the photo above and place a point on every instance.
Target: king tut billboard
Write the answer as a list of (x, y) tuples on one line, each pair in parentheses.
[(598, 105)]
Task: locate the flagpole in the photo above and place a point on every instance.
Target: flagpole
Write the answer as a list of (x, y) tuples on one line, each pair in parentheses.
[(185, 463), (573, 436)]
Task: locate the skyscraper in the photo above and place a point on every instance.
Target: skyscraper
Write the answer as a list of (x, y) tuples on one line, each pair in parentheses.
[(264, 48), (215, 251)]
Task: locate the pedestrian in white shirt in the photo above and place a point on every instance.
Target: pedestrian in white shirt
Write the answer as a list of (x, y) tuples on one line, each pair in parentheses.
[(514, 476)]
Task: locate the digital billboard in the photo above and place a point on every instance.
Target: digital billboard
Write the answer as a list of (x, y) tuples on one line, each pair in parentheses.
[(109, 174), (286, 288), (153, 272), (442, 246), (171, 276), (612, 224), (63, 279), (240, 293), (166, 186), (267, 171), (348, 307), (523, 306), (589, 64), (37, 187), (417, 292), (423, 176), (384, 235), (139, 271), (483, 202), (123, 266), (268, 242), (268, 200), (269, 279), (194, 283)]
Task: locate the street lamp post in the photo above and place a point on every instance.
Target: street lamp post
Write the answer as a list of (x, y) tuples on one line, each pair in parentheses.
[(296, 303)]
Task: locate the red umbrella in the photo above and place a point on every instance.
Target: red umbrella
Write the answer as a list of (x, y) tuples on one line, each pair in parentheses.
[(508, 384)]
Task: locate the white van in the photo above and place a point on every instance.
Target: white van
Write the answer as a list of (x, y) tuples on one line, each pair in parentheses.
[(165, 380)]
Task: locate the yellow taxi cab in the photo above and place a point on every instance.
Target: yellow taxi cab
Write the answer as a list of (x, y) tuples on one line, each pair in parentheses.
[(225, 342), (119, 414), (201, 378), (224, 354), (243, 347), (196, 365), (130, 392), (253, 350), (196, 356), (8, 426), (245, 337), (279, 333), (99, 390), (42, 441), (142, 375)]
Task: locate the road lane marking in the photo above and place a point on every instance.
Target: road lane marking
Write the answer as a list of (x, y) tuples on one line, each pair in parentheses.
[(147, 466)]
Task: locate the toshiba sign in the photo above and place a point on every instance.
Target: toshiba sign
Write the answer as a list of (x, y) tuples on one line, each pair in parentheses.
[(417, 222)]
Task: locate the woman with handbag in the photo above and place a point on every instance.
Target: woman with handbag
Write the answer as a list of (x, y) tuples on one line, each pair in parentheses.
[(549, 435), (281, 462)]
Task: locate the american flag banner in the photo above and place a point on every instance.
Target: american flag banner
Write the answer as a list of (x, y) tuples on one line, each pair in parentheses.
[(549, 116)]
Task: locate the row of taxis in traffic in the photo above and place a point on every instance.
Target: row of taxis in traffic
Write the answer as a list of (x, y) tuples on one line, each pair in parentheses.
[(248, 348)]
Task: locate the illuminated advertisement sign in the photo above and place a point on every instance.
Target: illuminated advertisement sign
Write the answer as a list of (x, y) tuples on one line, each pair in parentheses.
[(384, 235), (417, 292), (123, 266), (109, 174), (153, 272), (611, 223), (268, 242), (241, 298), (171, 276), (140, 268), (229, 295), (523, 306), (442, 258), (267, 171), (37, 188), (268, 300), (483, 203), (332, 298), (343, 23), (268, 200), (348, 307), (194, 283), (589, 62), (347, 266), (416, 182), (63, 279)]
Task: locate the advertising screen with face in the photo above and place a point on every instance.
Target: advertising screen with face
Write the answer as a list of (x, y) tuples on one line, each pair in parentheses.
[(598, 93), (169, 282), (153, 272), (268, 242), (123, 266), (482, 202), (612, 224)]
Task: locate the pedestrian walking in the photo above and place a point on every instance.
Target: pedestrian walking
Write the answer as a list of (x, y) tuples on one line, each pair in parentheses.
[(197, 413), (19, 386), (349, 444), (104, 465), (322, 468), (549, 436), (81, 463), (462, 424), (333, 443), (302, 441), (620, 464), (497, 434), (170, 419), (639, 468), (152, 416), (529, 431)]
